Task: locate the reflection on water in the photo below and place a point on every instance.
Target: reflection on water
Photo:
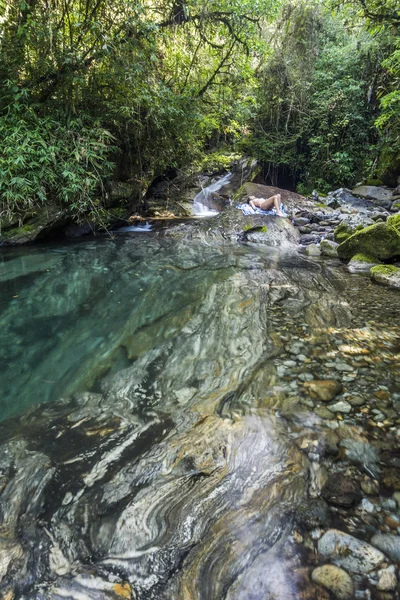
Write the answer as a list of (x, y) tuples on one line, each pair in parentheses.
[(184, 427)]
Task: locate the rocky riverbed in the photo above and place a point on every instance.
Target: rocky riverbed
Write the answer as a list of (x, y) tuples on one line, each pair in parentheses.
[(222, 420)]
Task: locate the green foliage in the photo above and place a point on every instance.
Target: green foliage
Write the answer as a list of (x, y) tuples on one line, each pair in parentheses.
[(43, 160)]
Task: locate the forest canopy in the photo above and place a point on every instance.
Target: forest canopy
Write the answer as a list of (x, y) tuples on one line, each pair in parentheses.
[(93, 90)]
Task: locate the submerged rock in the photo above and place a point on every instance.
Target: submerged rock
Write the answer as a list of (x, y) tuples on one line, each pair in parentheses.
[(389, 544), (323, 389), (349, 552), (335, 580), (341, 491)]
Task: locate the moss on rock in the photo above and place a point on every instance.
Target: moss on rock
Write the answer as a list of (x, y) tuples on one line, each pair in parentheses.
[(343, 231), (366, 258), (381, 240), (388, 275)]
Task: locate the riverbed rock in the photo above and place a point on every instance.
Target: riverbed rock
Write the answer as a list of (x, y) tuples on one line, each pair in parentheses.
[(231, 225), (354, 555), (341, 490), (389, 544), (312, 513), (381, 240), (334, 579), (387, 275), (323, 389), (340, 407), (362, 263)]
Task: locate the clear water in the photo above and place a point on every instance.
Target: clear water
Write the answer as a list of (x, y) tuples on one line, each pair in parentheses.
[(176, 435)]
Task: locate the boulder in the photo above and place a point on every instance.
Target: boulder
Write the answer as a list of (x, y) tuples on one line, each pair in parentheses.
[(334, 579), (381, 240), (348, 552), (380, 196), (362, 263), (291, 200), (387, 275), (387, 543)]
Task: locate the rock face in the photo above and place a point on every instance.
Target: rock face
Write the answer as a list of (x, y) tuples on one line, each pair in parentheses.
[(387, 275), (379, 240), (348, 552), (335, 580)]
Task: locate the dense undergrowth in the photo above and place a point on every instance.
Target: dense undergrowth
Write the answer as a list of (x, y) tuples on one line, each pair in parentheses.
[(94, 90)]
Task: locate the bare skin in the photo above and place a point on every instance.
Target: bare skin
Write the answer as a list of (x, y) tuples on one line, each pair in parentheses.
[(267, 203)]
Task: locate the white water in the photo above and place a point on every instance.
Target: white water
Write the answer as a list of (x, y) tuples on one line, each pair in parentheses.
[(142, 228), (203, 203)]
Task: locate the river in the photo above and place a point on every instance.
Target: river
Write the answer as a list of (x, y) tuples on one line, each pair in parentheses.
[(167, 429)]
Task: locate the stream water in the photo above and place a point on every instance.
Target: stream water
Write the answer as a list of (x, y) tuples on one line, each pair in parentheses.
[(167, 432)]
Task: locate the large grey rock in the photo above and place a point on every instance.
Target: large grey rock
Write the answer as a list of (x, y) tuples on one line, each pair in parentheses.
[(348, 552), (389, 544), (379, 195)]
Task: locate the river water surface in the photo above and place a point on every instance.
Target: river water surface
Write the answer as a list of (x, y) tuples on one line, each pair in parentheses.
[(163, 436)]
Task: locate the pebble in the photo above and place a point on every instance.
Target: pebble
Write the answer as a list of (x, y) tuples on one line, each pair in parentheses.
[(387, 580), (348, 552), (344, 367), (334, 579), (324, 389), (340, 407)]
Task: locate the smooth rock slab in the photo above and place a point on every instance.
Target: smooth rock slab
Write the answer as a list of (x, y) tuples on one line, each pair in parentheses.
[(348, 552), (389, 544), (335, 580)]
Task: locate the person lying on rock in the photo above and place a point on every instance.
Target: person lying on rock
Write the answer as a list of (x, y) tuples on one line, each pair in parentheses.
[(267, 203)]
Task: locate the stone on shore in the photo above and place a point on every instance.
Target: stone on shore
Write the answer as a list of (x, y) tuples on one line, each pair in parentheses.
[(348, 552), (380, 196), (329, 248)]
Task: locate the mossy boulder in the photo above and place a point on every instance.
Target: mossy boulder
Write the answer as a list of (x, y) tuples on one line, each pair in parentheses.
[(362, 263), (395, 206), (344, 231), (381, 240), (388, 275)]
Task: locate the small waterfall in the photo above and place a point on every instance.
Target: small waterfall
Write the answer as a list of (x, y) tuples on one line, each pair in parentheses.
[(204, 203)]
